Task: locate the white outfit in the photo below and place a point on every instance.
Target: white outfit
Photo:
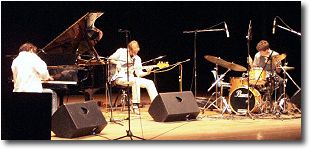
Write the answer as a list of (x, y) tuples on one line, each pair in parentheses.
[(260, 61), (135, 67), (28, 71)]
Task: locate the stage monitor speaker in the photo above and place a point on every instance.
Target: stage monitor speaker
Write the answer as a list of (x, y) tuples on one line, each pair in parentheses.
[(174, 106), (26, 116), (78, 119)]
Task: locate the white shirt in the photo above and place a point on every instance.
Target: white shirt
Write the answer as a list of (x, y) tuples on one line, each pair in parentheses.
[(28, 71), (261, 61), (135, 65)]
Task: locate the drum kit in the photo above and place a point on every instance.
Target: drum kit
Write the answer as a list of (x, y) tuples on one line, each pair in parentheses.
[(250, 92)]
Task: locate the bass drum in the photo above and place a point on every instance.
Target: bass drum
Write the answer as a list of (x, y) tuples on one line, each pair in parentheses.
[(238, 100)]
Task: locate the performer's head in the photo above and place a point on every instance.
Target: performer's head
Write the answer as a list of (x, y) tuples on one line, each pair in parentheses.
[(263, 45), (133, 47), (28, 47)]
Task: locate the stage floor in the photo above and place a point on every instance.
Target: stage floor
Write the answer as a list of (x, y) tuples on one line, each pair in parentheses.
[(210, 125)]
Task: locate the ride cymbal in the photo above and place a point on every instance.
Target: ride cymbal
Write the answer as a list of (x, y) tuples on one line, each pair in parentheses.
[(223, 63)]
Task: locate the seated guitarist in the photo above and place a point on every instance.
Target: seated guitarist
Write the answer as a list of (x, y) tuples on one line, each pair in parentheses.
[(135, 73)]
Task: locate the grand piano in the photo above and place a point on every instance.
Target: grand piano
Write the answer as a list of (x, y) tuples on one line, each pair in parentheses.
[(73, 61)]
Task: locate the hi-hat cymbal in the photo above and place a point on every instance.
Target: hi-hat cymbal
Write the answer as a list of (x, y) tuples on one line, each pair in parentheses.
[(287, 68), (278, 58), (224, 63)]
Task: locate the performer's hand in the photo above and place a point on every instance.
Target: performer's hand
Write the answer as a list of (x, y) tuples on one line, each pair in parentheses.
[(149, 70), (50, 79)]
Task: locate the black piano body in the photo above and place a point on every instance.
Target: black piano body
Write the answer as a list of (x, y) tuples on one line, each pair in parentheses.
[(64, 58)]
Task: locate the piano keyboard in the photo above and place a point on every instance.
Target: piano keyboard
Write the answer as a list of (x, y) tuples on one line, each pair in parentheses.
[(60, 82)]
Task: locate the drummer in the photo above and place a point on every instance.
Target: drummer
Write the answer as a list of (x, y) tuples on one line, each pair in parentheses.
[(265, 56)]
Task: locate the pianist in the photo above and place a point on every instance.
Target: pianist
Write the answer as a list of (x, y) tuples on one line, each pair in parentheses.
[(28, 70), (120, 59)]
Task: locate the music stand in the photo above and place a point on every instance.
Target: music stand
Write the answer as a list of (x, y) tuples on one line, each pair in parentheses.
[(109, 92)]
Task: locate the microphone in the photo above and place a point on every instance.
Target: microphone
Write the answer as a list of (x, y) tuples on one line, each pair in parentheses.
[(274, 25), (123, 31), (226, 29), (249, 36)]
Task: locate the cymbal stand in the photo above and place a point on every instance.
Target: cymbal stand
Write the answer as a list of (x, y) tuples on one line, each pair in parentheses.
[(284, 99), (216, 93)]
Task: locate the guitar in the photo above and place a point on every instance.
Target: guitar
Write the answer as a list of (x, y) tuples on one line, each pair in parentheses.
[(159, 65)]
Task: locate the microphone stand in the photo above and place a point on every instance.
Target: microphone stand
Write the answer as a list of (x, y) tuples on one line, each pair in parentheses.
[(249, 38), (290, 30), (195, 49), (154, 59), (272, 75), (128, 132)]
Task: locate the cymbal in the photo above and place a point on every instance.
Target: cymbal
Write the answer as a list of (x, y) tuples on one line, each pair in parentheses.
[(287, 68), (224, 63), (216, 60), (237, 67), (278, 58)]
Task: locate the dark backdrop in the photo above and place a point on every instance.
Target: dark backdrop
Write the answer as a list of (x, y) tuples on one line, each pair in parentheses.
[(158, 27)]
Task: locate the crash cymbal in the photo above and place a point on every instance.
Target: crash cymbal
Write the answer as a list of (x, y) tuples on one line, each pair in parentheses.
[(223, 63), (287, 68), (278, 58)]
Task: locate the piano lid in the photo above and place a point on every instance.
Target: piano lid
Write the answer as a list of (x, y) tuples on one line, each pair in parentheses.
[(79, 38)]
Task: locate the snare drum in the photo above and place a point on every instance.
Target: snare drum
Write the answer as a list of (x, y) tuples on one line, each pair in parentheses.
[(257, 76), (238, 100), (236, 82)]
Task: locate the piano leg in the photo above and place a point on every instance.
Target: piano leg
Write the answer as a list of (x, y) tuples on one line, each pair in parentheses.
[(61, 99)]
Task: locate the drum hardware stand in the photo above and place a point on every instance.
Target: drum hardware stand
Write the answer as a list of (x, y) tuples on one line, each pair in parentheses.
[(283, 100), (221, 98)]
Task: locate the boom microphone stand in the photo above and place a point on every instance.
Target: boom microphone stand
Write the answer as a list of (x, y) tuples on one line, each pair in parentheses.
[(249, 38), (129, 133), (195, 48)]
